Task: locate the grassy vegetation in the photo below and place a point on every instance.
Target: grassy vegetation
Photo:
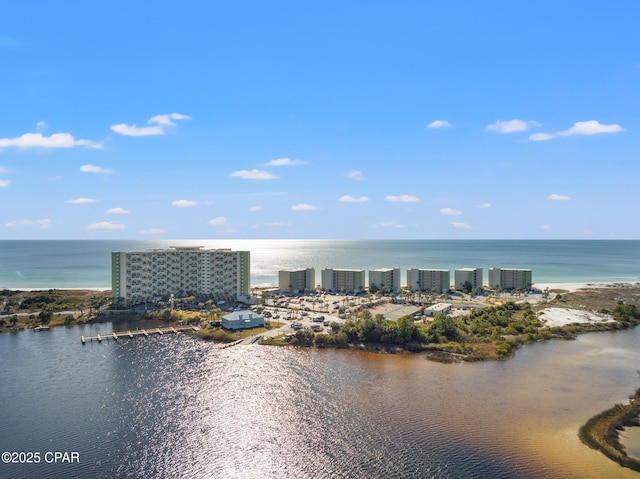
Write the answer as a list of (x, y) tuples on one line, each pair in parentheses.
[(486, 333), (601, 432), (53, 307), (219, 334)]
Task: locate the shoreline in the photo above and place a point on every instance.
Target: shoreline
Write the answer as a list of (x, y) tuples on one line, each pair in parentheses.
[(602, 431), (575, 286), (567, 286)]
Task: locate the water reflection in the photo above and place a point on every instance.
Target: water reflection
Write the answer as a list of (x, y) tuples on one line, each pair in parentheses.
[(175, 406)]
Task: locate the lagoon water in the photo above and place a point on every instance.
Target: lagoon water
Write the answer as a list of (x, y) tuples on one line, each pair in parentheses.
[(175, 406)]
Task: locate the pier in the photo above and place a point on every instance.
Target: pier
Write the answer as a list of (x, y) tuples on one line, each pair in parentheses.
[(138, 332)]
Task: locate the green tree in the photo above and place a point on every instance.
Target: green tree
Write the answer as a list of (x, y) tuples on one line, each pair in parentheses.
[(406, 330), (45, 316), (444, 326)]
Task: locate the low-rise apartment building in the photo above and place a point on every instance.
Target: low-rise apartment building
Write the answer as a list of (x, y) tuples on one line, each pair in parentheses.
[(468, 278), (347, 280), (297, 281), (433, 280), (510, 278), (385, 279)]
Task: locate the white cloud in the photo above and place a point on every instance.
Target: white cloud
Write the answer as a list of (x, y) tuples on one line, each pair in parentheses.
[(457, 224), (546, 227), (274, 223), (95, 169), (541, 136), (184, 203), (40, 125), (485, 205), (304, 207), (390, 224), (351, 199), (285, 162), (439, 124), (402, 198), (152, 231), (450, 212), (3, 169), (133, 130), (255, 208), (555, 197), (43, 223), (159, 125), (511, 126), (118, 211), (81, 201), (254, 175), (37, 140), (105, 225), (165, 120), (4, 183), (220, 220), (356, 175), (590, 127)]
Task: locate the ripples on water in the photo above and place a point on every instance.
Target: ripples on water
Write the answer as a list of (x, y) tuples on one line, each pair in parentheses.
[(179, 407)]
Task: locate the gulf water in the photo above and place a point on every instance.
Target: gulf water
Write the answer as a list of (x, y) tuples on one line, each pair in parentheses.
[(87, 264)]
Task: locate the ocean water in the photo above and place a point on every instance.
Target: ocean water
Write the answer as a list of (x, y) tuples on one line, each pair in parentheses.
[(87, 264)]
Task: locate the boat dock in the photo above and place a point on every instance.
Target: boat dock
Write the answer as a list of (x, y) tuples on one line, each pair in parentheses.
[(138, 332)]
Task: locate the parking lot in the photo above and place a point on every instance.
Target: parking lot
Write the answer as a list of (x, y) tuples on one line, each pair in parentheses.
[(318, 311)]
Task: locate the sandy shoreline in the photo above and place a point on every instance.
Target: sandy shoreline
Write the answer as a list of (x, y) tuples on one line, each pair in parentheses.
[(541, 286), (571, 287)]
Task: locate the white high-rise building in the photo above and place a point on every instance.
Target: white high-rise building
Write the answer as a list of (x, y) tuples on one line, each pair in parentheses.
[(387, 279), (297, 281), (138, 276), (436, 280), (471, 275), (347, 280), (510, 278)]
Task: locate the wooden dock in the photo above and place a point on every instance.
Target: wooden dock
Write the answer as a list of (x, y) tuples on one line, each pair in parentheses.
[(138, 332)]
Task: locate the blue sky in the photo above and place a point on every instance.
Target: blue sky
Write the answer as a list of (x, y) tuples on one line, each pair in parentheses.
[(319, 119)]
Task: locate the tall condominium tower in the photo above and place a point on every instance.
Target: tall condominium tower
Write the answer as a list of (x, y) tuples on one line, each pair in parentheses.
[(138, 276)]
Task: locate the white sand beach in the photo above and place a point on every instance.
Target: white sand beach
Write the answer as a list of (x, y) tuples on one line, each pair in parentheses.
[(569, 286), (562, 316)]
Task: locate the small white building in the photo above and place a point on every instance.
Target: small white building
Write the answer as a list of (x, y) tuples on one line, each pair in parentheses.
[(443, 308), (243, 319)]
